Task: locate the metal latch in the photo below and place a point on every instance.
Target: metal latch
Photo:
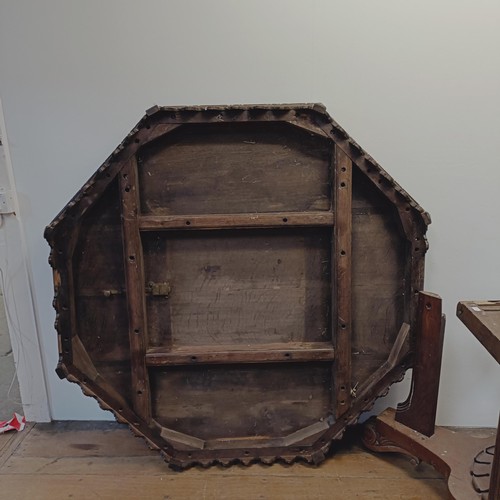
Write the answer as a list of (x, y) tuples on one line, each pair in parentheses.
[(159, 289)]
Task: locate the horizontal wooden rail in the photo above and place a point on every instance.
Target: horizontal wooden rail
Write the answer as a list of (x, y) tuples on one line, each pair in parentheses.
[(228, 221), (258, 353)]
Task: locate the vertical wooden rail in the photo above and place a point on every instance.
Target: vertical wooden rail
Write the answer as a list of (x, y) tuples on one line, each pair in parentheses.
[(341, 259), (136, 298), (419, 411)]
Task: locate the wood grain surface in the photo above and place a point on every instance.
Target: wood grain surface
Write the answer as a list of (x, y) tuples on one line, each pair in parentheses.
[(99, 460), (260, 166), (243, 268)]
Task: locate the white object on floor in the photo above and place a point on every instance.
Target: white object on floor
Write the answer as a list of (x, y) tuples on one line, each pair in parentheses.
[(16, 423)]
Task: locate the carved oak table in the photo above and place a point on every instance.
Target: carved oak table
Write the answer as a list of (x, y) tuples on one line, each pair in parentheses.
[(238, 283)]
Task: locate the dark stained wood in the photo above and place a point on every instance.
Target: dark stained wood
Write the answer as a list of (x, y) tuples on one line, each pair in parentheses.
[(378, 297), (419, 411), (450, 452), (242, 287), (395, 358), (96, 270), (243, 272), (100, 240), (157, 308), (69, 302), (252, 353), (134, 272), (342, 302), (467, 460), (215, 401), (482, 318), (235, 221), (103, 358), (412, 219), (223, 169)]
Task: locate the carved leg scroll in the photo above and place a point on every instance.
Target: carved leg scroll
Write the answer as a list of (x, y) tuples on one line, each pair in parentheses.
[(376, 441), (450, 453)]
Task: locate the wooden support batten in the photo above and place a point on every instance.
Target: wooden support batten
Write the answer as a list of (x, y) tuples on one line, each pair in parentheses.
[(235, 221), (134, 272), (341, 260)]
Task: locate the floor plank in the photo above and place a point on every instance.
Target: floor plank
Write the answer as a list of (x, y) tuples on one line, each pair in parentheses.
[(342, 465), (10, 441), (103, 460), (216, 488)]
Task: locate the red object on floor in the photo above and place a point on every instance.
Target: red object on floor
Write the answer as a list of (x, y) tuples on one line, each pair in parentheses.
[(16, 423)]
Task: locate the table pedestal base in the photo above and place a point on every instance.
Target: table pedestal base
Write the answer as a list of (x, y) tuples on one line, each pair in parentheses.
[(461, 457)]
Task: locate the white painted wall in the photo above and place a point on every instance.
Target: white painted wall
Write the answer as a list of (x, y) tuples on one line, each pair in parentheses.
[(417, 83), (15, 283)]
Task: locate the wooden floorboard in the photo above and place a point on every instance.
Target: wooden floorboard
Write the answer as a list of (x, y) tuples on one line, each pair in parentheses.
[(103, 460)]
